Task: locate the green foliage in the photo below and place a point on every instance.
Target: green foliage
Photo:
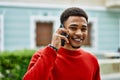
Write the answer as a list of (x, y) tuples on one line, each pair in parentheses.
[(13, 65)]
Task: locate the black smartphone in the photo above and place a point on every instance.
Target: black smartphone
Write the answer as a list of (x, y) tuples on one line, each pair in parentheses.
[(64, 34)]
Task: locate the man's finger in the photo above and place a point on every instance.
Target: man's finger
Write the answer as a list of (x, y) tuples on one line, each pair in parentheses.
[(60, 30), (63, 37)]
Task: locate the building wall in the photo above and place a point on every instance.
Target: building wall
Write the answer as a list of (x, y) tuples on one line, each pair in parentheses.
[(17, 22), (64, 2), (108, 29)]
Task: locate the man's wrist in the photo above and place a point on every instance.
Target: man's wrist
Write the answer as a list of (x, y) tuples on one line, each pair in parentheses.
[(50, 45)]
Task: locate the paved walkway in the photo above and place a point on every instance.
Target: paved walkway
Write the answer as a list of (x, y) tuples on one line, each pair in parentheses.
[(115, 76)]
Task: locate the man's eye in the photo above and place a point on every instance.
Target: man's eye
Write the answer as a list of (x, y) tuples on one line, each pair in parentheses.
[(83, 29), (72, 28)]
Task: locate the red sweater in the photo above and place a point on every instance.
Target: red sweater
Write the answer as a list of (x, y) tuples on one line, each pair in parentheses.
[(46, 64)]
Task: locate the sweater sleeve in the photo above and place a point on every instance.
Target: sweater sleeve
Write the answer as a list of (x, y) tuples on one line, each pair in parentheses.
[(97, 70), (97, 74), (40, 65)]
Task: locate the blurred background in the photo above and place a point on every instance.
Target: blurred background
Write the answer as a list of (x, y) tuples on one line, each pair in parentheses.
[(27, 25)]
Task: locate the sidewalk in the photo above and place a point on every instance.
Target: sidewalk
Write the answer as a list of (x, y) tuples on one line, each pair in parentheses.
[(114, 76)]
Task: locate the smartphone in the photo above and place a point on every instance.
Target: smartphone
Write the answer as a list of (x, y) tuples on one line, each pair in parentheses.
[(64, 34)]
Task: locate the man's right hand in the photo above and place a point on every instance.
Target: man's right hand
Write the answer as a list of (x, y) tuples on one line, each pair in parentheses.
[(56, 39)]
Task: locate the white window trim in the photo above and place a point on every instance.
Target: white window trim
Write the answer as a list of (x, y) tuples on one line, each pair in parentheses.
[(34, 19), (94, 35), (2, 33), (119, 32)]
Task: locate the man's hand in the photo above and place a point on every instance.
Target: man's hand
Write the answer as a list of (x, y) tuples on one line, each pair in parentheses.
[(56, 39)]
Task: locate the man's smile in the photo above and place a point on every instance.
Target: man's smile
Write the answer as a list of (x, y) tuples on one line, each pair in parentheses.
[(78, 40)]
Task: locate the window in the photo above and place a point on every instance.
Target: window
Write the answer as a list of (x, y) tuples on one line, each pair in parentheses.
[(42, 28), (1, 34), (43, 33), (88, 41)]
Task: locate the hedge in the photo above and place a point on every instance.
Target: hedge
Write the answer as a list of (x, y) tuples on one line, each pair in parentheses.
[(13, 64)]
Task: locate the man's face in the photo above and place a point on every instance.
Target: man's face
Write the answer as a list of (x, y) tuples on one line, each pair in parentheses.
[(77, 27)]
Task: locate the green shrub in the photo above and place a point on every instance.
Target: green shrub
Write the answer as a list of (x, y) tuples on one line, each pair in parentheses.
[(13, 65)]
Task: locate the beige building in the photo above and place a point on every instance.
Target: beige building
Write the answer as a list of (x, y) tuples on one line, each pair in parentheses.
[(93, 3)]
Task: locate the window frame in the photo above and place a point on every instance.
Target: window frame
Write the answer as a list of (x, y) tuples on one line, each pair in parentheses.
[(94, 35), (35, 19), (1, 33)]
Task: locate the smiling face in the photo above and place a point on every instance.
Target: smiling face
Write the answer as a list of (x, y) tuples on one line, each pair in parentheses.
[(77, 27)]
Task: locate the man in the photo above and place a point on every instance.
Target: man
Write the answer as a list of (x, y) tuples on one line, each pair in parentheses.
[(68, 62)]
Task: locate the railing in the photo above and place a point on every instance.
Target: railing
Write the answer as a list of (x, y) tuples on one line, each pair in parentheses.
[(108, 66)]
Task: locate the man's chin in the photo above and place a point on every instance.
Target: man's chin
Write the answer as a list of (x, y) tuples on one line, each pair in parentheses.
[(75, 47)]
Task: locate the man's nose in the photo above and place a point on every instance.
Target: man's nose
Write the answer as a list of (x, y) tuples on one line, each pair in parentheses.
[(79, 32)]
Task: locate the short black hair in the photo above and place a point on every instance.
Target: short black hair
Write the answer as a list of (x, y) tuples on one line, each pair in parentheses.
[(73, 11)]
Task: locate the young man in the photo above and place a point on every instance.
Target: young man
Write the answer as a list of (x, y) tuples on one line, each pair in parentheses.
[(68, 62)]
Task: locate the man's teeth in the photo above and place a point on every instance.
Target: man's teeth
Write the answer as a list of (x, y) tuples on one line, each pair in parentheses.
[(77, 39)]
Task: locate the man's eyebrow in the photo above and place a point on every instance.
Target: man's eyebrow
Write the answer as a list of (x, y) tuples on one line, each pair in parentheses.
[(73, 25), (84, 26)]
